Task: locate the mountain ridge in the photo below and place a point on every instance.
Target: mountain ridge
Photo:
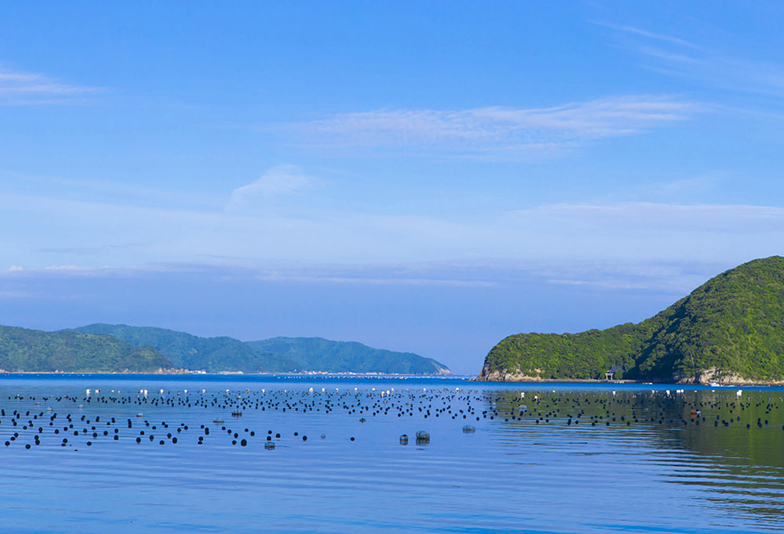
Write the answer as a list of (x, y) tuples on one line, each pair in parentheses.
[(280, 354)]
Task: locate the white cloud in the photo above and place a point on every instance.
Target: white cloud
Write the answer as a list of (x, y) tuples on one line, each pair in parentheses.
[(631, 217), (26, 88), (283, 180), (684, 59), (497, 130), (650, 35), (566, 233)]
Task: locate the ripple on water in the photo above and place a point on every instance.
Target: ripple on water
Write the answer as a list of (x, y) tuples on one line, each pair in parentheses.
[(651, 469)]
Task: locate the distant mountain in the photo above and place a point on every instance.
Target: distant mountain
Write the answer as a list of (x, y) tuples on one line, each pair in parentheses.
[(730, 329), (71, 352), (211, 354), (280, 354), (318, 354)]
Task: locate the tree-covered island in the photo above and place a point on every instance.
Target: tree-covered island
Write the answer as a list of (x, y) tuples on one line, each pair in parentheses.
[(728, 330)]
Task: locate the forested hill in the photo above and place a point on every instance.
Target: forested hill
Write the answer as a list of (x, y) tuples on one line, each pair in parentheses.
[(186, 351), (219, 354), (730, 329), (71, 352), (318, 354)]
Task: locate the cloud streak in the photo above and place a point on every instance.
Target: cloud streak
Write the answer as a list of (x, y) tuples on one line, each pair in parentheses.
[(27, 89), (677, 57), (496, 130), (283, 180), (620, 232)]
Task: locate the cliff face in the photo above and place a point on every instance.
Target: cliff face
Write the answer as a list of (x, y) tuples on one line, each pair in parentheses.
[(729, 330), (495, 375)]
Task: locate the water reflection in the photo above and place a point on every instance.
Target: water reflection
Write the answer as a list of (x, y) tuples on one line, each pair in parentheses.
[(730, 447), (497, 457)]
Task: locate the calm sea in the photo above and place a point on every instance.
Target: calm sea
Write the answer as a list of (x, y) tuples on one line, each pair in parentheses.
[(166, 454)]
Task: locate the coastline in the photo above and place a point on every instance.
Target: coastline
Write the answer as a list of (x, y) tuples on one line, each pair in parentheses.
[(181, 372), (534, 380)]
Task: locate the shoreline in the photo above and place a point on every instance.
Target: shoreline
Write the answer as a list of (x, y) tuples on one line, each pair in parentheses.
[(528, 380), (344, 374), (339, 375)]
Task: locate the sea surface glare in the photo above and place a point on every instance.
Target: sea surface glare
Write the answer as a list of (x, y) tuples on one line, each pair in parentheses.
[(241, 454)]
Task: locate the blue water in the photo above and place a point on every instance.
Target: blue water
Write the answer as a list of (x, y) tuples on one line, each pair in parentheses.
[(530, 465)]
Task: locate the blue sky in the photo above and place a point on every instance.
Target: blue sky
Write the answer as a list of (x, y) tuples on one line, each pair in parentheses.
[(426, 177)]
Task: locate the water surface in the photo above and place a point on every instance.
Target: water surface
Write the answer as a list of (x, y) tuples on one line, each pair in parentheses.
[(533, 458)]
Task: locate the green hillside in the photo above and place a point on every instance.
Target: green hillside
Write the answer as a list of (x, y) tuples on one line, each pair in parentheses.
[(71, 352), (213, 354), (318, 354), (218, 354), (729, 329)]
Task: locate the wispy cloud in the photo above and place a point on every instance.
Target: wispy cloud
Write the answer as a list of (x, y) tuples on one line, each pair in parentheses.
[(685, 59), (673, 278), (497, 131), (283, 180), (27, 88), (618, 232), (648, 219), (83, 251), (649, 35)]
